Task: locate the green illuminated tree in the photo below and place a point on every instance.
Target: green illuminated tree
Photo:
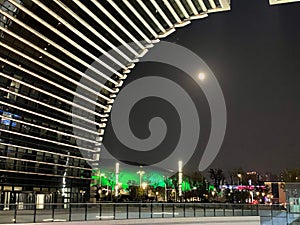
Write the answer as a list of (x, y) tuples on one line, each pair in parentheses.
[(155, 179), (132, 183), (186, 185), (111, 179)]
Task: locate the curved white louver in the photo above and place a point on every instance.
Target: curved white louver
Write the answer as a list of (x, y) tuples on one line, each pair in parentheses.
[(51, 44)]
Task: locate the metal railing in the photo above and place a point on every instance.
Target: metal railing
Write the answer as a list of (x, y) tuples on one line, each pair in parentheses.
[(33, 213)]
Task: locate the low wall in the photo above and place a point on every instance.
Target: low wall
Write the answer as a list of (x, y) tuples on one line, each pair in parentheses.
[(245, 220)]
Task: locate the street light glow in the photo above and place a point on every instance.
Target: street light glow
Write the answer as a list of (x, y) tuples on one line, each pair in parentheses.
[(144, 185), (141, 172), (201, 76)]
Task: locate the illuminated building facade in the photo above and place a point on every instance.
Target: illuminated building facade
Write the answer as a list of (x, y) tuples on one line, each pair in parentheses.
[(292, 196), (46, 48)]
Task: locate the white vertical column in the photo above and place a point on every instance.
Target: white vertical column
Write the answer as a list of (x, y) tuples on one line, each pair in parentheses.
[(6, 200), (179, 179), (117, 179)]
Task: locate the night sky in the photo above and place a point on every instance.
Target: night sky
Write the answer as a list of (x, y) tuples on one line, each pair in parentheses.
[(254, 51)]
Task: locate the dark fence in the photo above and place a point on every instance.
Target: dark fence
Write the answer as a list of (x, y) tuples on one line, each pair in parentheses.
[(32, 213)]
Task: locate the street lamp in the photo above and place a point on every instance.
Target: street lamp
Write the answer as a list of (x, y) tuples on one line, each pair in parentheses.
[(165, 179), (145, 190), (240, 178), (141, 172), (117, 179), (144, 185)]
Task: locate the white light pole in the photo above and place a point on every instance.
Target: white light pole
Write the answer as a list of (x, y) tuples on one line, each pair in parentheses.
[(165, 179), (141, 172), (179, 179), (117, 179)]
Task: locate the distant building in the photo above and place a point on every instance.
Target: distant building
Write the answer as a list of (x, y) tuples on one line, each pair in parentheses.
[(277, 193), (293, 196), (252, 177)]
